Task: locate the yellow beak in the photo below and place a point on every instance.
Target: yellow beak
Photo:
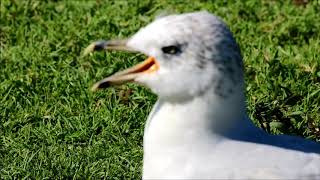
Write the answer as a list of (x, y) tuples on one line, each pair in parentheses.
[(128, 75)]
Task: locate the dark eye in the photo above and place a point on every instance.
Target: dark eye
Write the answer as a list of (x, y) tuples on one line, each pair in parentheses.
[(171, 50)]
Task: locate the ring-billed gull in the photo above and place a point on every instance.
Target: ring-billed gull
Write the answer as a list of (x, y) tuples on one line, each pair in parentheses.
[(199, 127)]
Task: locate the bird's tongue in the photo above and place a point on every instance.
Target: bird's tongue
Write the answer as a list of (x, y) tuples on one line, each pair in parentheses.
[(148, 66)]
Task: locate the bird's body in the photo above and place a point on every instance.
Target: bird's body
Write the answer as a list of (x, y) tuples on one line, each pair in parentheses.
[(174, 149), (199, 128)]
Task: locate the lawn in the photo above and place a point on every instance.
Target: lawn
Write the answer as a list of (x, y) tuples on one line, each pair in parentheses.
[(52, 126)]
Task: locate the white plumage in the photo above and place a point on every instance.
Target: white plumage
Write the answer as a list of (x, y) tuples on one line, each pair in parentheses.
[(198, 128)]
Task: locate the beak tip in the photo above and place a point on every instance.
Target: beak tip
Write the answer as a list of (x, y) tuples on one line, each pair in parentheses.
[(89, 49), (100, 85), (95, 46), (93, 89)]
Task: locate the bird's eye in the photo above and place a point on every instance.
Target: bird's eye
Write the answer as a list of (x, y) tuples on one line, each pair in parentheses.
[(171, 50)]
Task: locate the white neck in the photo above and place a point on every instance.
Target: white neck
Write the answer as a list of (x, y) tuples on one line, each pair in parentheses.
[(173, 124)]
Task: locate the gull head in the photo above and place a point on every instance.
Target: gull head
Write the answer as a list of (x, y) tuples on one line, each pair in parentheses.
[(188, 55)]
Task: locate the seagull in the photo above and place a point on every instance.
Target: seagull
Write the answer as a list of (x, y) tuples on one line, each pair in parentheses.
[(199, 128)]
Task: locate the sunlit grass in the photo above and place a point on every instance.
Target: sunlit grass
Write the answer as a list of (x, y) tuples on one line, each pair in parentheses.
[(52, 126)]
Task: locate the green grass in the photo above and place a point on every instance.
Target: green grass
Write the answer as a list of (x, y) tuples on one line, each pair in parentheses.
[(52, 126)]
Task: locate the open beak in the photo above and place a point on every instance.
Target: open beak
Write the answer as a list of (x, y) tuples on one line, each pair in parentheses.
[(128, 75)]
